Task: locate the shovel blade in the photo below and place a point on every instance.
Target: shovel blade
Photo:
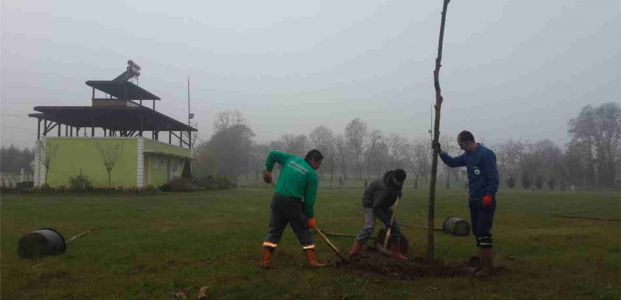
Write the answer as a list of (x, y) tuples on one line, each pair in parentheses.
[(383, 249)]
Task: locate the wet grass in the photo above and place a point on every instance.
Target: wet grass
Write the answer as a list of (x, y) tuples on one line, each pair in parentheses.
[(146, 246)]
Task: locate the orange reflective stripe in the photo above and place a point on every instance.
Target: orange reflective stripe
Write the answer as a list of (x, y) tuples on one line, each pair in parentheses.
[(308, 247), (268, 244)]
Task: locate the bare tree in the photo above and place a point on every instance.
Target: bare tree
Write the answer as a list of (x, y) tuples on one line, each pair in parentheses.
[(508, 156), (342, 151), (109, 151), (448, 145), (598, 131), (375, 153), (295, 144), (422, 157), (228, 119), (48, 151), (356, 134), (397, 151), (322, 138)]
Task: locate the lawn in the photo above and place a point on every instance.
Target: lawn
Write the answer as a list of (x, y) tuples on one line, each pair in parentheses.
[(147, 246)]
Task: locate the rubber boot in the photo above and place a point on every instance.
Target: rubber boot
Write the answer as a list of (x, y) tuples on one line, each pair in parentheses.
[(355, 249), (487, 264), (396, 251), (265, 260), (311, 256)]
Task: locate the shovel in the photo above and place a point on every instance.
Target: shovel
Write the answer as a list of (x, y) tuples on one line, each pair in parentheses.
[(384, 248), (325, 239)]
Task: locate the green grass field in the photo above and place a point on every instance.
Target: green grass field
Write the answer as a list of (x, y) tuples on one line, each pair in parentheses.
[(148, 246)]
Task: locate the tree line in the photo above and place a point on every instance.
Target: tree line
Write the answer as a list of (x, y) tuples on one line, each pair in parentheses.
[(592, 159), (13, 160)]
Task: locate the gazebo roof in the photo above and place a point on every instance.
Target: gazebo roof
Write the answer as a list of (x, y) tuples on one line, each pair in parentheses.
[(115, 118)]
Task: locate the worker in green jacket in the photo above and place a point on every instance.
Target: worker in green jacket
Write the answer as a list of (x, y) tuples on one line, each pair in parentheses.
[(293, 202)]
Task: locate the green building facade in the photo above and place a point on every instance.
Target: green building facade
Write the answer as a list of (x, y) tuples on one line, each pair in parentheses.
[(136, 161)]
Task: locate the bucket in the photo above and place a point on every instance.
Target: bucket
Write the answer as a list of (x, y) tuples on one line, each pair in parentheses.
[(43, 242), (456, 226)]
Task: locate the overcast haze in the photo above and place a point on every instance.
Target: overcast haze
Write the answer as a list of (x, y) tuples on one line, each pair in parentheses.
[(511, 69)]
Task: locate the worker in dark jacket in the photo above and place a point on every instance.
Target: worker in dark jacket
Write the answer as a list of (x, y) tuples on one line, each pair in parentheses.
[(377, 201), (480, 164), (293, 202)]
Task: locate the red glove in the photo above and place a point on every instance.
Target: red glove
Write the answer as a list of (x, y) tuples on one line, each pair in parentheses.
[(267, 177), (312, 223), (487, 201)]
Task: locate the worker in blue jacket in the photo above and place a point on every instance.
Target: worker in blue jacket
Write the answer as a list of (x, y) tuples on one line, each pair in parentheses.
[(480, 163)]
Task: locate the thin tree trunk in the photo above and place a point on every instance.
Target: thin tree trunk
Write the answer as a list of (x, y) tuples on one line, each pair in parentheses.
[(436, 136)]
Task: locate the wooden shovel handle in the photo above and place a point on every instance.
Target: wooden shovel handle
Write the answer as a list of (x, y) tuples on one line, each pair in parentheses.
[(325, 239), (392, 220)]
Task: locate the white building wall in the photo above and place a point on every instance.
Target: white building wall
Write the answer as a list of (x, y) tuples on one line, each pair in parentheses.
[(39, 168), (140, 162)]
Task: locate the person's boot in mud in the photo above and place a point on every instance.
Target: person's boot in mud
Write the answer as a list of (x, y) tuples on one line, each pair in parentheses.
[(311, 256), (396, 251), (355, 249), (265, 260), (487, 264)]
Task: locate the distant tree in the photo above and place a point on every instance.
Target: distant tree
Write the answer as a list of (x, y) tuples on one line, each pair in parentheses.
[(539, 182), (227, 119), (258, 154), (422, 158), (510, 182), (295, 144), (527, 180), (596, 135), (14, 160), (550, 183), (356, 135), (322, 138), (397, 152), (375, 153), (110, 152), (509, 156), (230, 150), (342, 153), (448, 145)]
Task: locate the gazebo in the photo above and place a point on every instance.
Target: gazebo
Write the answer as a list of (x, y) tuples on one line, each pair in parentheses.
[(116, 141)]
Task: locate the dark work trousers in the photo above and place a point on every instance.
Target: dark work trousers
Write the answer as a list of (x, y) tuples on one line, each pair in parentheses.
[(383, 215), (288, 210), (481, 221)]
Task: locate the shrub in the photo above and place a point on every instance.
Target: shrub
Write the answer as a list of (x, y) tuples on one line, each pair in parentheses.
[(80, 183), (183, 184), (25, 185)]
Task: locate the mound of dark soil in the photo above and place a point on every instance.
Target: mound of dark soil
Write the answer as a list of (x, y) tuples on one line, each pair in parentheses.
[(371, 262)]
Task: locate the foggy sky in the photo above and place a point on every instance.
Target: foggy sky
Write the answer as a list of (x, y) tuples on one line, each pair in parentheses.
[(511, 69)]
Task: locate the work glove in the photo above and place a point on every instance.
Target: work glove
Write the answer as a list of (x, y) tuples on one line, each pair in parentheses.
[(387, 226), (312, 223), (267, 177), (487, 200)]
